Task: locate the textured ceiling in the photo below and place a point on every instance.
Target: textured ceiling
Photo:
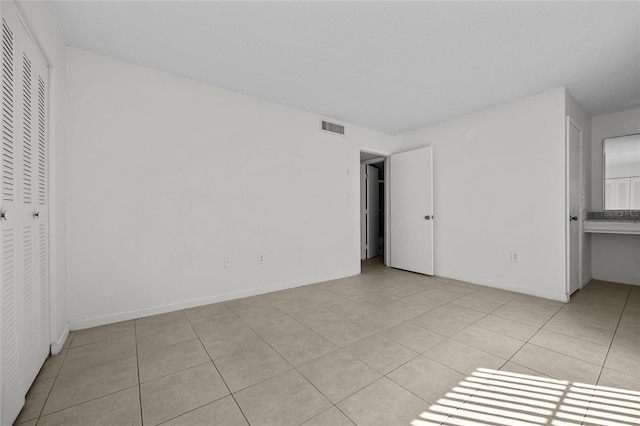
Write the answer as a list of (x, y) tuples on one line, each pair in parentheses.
[(388, 66)]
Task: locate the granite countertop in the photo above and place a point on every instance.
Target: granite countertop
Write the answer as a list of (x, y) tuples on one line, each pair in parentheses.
[(613, 216)]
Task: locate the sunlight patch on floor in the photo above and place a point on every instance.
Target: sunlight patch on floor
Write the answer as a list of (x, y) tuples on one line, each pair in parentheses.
[(490, 397)]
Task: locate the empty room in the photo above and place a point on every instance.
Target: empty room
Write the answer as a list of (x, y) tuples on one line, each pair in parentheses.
[(320, 213)]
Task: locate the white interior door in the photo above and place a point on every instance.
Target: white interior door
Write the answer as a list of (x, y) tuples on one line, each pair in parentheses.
[(574, 205), (411, 210), (24, 299), (372, 211)]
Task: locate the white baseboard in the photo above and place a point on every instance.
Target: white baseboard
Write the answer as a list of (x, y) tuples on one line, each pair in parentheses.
[(56, 346), (559, 297), (586, 280), (615, 278), (192, 303)]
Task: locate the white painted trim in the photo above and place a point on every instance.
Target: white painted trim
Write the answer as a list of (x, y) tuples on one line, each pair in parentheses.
[(586, 279), (140, 313), (370, 150), (503, 286), (619, 278), (56, 346)]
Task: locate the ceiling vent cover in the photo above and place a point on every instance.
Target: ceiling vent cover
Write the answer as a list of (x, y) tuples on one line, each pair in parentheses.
[(329, 127)]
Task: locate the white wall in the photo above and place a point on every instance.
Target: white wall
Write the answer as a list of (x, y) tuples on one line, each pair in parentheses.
[(43, 26), (499, 180), (614, 257), (578, 114), (167, 177)]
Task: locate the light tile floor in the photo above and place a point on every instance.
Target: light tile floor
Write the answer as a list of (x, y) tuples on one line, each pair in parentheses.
[(379, 348)]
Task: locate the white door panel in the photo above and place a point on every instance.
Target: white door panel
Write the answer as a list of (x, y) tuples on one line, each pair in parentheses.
[(411, 211), (574, 207), (24, 299)]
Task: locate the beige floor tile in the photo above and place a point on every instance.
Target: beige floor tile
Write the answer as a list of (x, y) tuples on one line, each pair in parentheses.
[(235, 340), (206, 311), (120, 408), (331, 417), (383, 403), (338, 374), (414, 337), (520, 314), (601, 336), (224, 412), (495, 295), (380, 353), (512, 367), (587, 317), (510, 328), (459, 313), (423, 301), (33, 422), (104, 332), (440, 324), (413, 287), (556, 365), (162, 320), (160, 337), (92, 383), (629, 324), (343, 331), (258, 314), (370, 297), (52, 366), (34, 400), (248, 367), (93, 354), (171, 359), (473, 302), (428, 379), (275, 328), (463, 358), (577, 348), (625, 362), (400, 310), (173, 395), (442, 293), (315, 317), (215, 324), (489, 341), (286, 399), (626, 343), (619, 380), (302, 346)]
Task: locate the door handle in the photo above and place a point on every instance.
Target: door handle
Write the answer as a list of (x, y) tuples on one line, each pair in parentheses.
[(573, 218), (428, 217), (36, 215), (4, 215)]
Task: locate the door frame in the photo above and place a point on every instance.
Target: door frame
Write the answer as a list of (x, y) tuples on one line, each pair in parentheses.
[(571, 122), (387, 224)]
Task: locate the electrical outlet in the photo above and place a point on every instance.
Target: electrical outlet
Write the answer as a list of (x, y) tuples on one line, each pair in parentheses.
[(260, 258), (515, 257), (227, 262)]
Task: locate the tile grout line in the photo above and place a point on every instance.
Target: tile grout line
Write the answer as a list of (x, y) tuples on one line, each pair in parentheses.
[(219, 373)]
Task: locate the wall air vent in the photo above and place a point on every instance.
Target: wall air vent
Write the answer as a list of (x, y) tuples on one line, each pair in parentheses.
[(329, 127)]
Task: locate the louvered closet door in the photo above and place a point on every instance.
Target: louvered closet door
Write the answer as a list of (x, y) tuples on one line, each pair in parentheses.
[(24, 303)]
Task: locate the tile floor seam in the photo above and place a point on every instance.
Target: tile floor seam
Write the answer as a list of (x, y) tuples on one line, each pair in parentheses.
[(89, 400), (55, 379), (221, 376), (614, 335)]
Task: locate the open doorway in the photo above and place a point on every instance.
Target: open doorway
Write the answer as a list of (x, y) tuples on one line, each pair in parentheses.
[(372, 207)]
